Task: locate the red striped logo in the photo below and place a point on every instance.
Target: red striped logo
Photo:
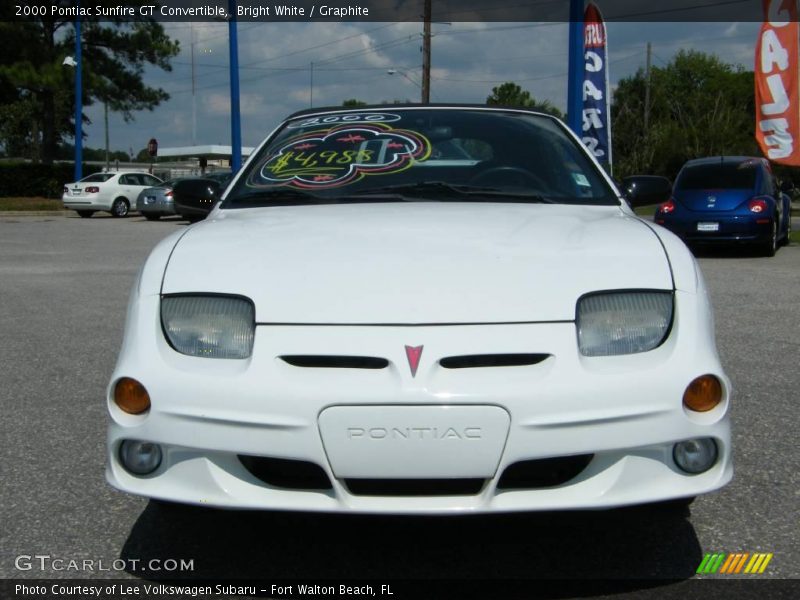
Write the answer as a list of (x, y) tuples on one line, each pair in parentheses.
[(413, 353)]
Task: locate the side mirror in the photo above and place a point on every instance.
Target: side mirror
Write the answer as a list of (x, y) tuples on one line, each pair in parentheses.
[(213, 188), (787, 186), (643, 190)]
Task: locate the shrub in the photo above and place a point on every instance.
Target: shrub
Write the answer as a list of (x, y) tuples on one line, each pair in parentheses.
[(20, 179)]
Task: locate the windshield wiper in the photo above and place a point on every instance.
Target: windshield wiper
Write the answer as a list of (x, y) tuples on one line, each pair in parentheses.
[(431, 190), (466, 193), (276, 197)]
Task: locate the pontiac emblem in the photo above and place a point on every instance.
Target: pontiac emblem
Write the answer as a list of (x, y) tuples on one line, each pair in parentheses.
[(413, 353)]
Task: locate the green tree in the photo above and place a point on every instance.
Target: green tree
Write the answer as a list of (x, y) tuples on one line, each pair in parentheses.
[(37, 104), (353, 102), (511, 94), (699, 106)]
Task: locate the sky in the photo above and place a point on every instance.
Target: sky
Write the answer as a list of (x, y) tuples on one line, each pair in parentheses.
[(377, 62)]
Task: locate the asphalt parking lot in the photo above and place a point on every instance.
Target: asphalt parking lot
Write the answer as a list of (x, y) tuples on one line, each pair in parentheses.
[(64, 283)]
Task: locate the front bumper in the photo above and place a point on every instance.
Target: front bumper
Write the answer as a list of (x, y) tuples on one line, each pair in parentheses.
[(625, 412)]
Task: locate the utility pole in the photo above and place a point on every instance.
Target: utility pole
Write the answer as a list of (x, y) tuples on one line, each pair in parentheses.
[(426, 54), (647, 88), (311, 86)]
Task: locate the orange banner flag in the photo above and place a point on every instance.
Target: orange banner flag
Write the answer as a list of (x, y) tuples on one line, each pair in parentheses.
[(776, 83)]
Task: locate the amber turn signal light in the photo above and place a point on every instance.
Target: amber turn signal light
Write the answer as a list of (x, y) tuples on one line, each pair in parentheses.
[(703, 394), (131, 397)]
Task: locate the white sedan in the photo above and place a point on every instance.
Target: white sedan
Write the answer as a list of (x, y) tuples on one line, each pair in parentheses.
[(112, 192), (372, 322)]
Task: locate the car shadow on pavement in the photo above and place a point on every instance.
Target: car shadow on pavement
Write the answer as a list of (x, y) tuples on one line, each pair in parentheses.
[(628, 546)]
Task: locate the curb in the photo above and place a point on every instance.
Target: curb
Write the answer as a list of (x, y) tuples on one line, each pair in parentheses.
[(33, 213)]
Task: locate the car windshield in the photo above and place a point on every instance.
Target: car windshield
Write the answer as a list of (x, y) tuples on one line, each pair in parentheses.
[(717, 176), (402, 154), (97, 178)]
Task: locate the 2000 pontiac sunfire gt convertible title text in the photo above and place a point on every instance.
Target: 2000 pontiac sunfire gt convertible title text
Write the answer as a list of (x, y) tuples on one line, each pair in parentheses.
[(430, 309)]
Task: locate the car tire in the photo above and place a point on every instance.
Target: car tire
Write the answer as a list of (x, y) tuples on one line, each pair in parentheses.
[(787, 240), (120, 208), (85, 214), (770, 247), (152, 216)]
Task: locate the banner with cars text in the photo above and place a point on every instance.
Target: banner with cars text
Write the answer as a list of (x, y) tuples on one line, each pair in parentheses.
[(596, 117), (776, 83)]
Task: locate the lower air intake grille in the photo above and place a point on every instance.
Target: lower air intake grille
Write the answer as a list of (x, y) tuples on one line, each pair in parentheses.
[(473, 361), (543, 472), (286, 473), (414, 487), (336, 362)]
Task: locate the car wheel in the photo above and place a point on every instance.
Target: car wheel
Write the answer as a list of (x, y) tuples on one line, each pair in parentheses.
[(771, 245), (152, 216), (120, 208), (786, 240), (85, 214)]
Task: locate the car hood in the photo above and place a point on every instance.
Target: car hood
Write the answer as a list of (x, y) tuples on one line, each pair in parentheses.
[(417, 262)]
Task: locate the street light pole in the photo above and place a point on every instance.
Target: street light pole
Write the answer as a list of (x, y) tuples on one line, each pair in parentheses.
[(78, 101), (575, 77), (194, 101), (105, 118), (236, 127)]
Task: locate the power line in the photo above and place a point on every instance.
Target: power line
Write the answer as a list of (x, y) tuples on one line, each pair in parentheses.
[(525, 80)]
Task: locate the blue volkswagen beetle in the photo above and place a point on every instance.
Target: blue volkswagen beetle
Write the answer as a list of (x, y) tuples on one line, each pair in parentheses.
[(727, 200)]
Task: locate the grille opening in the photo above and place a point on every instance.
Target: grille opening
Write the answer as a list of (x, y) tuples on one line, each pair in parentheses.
[(472, 361), (414, 487), (310, 361), (287, 473), (543, 472)]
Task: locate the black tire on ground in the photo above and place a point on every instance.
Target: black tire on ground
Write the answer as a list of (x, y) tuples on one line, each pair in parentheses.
[(771, 245), (152, 216), (786, 241), (85, 214), (120, 208)]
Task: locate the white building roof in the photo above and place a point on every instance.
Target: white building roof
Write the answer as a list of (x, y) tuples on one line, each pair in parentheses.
[(209, 151)]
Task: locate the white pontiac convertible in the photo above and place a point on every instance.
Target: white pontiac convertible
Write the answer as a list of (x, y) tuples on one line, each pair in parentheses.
[(421, 309)]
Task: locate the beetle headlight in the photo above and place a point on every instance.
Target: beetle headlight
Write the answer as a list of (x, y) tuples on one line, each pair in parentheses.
[(209, 326), (611, 323)]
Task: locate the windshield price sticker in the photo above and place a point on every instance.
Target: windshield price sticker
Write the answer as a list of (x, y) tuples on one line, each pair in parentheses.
[(341, 155), (348, 118)]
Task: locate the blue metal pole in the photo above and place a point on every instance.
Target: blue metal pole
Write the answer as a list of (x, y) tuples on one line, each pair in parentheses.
[(575, 77), (78, 101), (236, 125)]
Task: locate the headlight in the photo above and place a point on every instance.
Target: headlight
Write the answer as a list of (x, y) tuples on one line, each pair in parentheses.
[(209, 326), (611, 323)]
